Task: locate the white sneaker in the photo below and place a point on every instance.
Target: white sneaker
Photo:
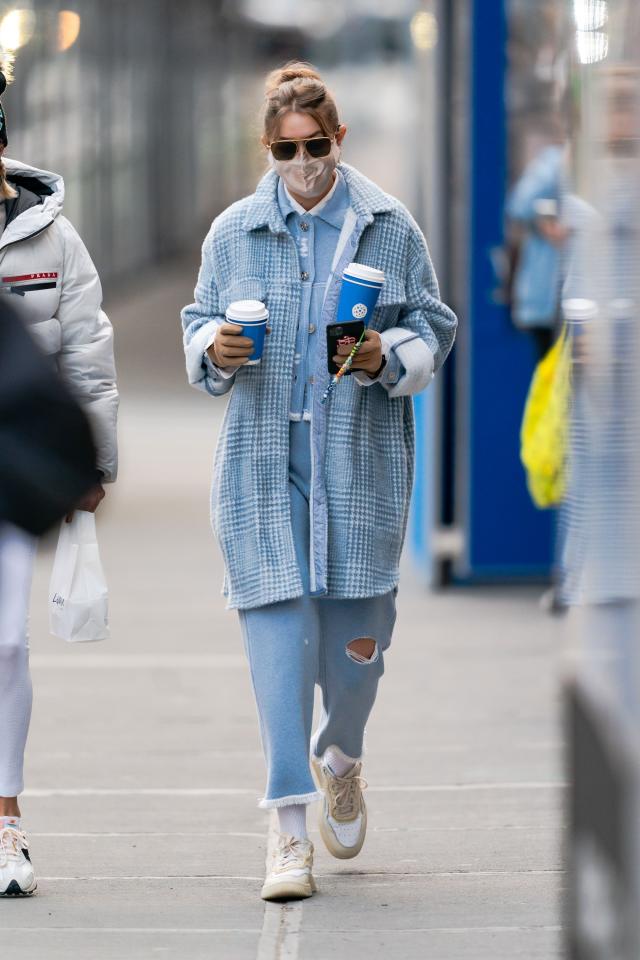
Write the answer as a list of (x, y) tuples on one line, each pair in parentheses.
[(17, 878), (343, 817), (290, 876)]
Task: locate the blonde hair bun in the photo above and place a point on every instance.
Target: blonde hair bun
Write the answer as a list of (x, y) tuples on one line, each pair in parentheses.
[(297, 87), (294, 70)]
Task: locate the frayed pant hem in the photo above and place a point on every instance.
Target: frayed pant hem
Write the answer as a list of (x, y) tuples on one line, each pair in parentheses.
[(300, 798)]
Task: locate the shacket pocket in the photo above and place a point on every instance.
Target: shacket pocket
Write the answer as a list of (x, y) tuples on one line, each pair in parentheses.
[(392, 299), (249, 288)]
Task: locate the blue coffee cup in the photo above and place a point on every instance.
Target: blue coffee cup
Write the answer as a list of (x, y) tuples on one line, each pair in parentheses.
[(252, 316), (361, 286)]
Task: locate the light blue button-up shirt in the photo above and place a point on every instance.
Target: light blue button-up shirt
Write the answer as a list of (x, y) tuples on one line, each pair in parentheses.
[(316, 233)]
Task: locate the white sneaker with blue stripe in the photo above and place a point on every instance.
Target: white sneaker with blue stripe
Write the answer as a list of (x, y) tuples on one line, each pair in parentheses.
[(17, 878)]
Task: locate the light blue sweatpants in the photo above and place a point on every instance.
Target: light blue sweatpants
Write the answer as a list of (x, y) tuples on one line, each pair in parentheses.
[(296, 644), (17, 552)]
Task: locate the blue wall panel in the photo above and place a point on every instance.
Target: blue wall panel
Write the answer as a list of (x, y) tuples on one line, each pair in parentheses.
[(422, 504), (507, 536)]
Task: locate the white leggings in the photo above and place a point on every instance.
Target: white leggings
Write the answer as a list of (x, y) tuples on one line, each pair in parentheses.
[(17, 550)]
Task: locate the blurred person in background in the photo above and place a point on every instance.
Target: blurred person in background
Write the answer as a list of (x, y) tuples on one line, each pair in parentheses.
[(538, 232), (310, 501), (53, 286), (546, 222)]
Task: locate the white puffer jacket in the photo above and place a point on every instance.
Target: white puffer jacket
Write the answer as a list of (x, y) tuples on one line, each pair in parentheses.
[(52, 283)]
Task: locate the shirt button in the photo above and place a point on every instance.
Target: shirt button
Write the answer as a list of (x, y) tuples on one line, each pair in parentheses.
[(312, 380), (312, 328), (304, 225), (304, 275)]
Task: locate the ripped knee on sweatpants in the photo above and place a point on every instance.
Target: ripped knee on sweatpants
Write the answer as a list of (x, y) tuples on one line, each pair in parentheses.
[(362, 650)]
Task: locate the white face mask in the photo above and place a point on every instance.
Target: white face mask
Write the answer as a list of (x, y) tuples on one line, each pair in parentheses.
[(304, 176)]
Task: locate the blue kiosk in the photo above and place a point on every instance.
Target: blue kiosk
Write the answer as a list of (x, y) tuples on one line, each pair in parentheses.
[(472, 519)]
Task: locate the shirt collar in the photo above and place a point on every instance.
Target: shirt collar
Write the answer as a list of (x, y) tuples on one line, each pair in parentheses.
[(331, 208)]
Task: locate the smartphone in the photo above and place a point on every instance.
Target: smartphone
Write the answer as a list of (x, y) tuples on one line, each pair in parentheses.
[(342, 333)]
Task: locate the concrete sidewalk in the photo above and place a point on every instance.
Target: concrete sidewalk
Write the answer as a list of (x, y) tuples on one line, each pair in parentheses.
[(144, 761)]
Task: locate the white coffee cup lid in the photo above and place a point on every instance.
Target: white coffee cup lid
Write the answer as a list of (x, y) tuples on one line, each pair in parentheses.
[(362, 272), (577, 310), (247, 310), (546, 207)]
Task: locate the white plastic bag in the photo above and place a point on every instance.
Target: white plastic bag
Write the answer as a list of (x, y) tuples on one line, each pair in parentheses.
[(78, 599)]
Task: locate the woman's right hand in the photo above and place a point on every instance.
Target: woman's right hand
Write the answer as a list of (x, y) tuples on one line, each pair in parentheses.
[(552, 230), (230, 348)]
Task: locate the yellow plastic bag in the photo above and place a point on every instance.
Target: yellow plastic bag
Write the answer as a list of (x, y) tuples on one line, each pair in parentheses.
[(544, 436)]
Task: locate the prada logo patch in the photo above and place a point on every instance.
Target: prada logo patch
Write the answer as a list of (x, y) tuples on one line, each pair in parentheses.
[(27, 282)]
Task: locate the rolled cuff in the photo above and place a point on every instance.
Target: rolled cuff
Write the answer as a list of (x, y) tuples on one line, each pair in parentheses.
[(410, 363), (195, 349), (200, 374), (390, 373)]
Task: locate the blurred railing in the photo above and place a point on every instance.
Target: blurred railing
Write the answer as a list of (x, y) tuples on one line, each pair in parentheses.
[(150, 109)]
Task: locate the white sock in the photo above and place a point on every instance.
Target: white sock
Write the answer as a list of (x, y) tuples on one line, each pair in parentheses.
[(338, 762), (293, 820), (10, 822)]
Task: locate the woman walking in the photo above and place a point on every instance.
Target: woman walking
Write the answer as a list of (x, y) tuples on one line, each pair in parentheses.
[(52, 284), (310, 498)]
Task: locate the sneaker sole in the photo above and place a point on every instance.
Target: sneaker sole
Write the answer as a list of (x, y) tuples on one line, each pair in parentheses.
[(287, 889), (15, 890), (331, 842)]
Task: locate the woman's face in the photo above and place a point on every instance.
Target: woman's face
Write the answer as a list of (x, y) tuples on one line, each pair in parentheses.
[(308, 177)]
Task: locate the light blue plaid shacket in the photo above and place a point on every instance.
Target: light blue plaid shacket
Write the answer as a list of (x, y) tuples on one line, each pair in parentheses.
[(362, 439)]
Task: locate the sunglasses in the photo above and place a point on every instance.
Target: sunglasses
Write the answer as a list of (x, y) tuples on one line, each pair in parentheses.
[(316, 147)]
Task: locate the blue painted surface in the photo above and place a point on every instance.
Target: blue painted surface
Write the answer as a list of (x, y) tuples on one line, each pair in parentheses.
[(421, 519), (507, 536)]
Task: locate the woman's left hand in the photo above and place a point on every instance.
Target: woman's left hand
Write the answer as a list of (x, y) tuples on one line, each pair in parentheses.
[(368, 357), (90, 501)]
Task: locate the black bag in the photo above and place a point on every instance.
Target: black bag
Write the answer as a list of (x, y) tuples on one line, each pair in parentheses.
[(47, 454)]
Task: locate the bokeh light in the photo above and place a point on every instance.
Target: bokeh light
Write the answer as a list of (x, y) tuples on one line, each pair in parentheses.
[(593, 45), (16, 29), (590, 14), (68, 29), (424, 30)]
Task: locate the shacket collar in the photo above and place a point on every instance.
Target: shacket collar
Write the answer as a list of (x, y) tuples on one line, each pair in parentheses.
[(365, 197)]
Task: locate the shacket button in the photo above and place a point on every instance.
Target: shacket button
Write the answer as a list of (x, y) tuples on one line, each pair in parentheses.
[(312, 328), (304, 275), (304, 225)]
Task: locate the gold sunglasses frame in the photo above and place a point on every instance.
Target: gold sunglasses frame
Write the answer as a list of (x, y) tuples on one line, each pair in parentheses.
[(303, 140)]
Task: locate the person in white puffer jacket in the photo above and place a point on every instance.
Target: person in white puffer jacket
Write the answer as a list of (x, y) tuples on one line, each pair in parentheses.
[(56, 289), (50, 280)]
